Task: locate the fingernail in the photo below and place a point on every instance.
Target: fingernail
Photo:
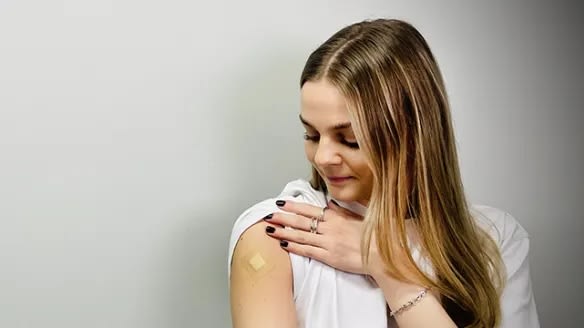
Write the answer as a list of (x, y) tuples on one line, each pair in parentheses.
[(270, 229), (280, 203), (269, 216), (283, 243), (334, 202)]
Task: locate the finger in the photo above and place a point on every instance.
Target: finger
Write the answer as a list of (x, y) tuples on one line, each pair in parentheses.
[(289, 220), (307, 210), (296, 236), (312, 252)]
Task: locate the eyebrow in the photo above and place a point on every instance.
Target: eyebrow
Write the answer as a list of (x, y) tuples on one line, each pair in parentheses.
[(338, 126)]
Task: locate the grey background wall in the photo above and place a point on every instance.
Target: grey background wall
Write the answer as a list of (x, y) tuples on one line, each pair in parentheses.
[(133, 133)]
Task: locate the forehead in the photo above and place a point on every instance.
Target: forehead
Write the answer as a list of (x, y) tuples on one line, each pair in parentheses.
[(322, 103)]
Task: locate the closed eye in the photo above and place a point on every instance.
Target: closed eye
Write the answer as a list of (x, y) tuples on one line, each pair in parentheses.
[(313, 138), (342, 140), (350, 144)]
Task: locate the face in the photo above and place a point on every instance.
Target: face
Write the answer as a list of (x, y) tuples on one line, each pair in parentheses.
[(330, 143)]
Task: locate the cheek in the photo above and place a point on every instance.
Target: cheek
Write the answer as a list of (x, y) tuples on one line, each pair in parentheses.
[(365, 174), (358, 164)]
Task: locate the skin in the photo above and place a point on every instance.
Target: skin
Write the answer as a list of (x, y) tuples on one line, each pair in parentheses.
[(337, 244), (330, 146), (333, 153), (267, 300), (261, 298)]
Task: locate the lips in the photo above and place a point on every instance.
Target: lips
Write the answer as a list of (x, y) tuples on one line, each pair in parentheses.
[(338, 179)]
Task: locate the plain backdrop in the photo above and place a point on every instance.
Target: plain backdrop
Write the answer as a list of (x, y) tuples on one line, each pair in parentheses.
[(133, 133)]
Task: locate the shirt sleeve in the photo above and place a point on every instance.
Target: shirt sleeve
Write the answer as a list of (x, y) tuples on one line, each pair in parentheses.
[(517, 302)]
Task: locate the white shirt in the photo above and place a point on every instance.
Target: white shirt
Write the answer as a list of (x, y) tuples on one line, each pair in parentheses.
[(326, 297)]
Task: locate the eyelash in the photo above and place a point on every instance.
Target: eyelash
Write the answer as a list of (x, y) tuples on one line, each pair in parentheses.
[(352, 145)]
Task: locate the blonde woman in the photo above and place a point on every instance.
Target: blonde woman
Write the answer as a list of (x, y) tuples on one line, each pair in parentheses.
[(382, 234)]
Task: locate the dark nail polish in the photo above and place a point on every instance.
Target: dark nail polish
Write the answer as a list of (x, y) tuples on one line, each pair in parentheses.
[(269, 216), (280, 203), (270, 229), (283, 243)]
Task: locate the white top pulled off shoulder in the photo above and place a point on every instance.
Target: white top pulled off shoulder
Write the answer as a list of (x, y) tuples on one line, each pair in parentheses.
[(326, 297)]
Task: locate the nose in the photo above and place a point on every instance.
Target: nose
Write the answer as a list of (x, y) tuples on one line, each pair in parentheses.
[(327, 153)]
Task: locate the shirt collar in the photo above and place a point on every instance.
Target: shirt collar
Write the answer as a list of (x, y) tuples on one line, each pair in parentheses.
[(354, 207)]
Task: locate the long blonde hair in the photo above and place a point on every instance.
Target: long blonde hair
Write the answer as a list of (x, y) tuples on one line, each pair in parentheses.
[(401, 118)]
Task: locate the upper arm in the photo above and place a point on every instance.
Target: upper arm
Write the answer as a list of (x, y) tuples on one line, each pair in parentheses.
[(261, 282)]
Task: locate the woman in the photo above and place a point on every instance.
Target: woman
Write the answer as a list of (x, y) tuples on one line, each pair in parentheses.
[(382, 235)]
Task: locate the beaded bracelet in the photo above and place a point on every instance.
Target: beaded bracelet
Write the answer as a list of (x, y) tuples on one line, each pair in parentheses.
[(409, 304)]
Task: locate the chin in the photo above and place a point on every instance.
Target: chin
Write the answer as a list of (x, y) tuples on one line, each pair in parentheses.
[(345, 194)]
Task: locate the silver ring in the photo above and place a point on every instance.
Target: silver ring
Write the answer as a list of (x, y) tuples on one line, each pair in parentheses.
[(314, 225)]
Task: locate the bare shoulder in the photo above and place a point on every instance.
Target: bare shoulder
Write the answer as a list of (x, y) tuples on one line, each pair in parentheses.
[(261, 281)]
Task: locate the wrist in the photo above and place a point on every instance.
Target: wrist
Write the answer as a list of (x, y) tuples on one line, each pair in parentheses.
[(395, 286), (401, 296), (397, 291)]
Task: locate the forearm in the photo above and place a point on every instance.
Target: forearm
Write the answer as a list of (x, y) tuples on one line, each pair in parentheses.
[(428, 312)]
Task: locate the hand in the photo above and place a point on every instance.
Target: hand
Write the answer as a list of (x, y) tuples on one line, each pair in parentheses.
[(337, 242)]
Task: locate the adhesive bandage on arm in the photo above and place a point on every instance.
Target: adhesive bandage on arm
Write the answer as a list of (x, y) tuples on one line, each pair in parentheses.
[(256, 265)]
